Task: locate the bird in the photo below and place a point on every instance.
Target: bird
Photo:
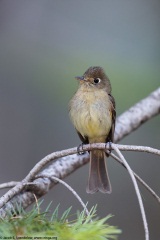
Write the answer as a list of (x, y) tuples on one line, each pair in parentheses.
[(92, 112)]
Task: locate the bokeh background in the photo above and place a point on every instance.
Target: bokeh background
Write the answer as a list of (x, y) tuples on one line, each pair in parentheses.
[(43, 45)]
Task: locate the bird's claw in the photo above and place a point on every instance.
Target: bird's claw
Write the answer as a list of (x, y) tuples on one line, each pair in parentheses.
[(110, 147), (80, 149)]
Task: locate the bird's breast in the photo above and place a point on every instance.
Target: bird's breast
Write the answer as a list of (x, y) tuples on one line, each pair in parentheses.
[(90, 113)]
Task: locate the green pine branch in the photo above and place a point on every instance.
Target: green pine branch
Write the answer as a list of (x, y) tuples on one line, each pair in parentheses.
[(37, 225)]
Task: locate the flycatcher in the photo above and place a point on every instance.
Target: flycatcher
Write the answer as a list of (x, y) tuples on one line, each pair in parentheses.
[(92, 111)]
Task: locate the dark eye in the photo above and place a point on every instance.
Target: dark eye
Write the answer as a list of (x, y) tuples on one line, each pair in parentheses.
[(97, 80)]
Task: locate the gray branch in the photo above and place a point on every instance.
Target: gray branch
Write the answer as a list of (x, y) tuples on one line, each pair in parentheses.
[(137, 115), (64, 166)]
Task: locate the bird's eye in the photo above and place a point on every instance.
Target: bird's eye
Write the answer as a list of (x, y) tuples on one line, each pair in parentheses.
[(97, 80)]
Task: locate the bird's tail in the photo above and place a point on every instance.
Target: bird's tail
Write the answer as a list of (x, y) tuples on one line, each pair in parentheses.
[(98, 175)]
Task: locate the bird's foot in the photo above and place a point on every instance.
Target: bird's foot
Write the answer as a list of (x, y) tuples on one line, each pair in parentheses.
[(80, 149), (110, 147)]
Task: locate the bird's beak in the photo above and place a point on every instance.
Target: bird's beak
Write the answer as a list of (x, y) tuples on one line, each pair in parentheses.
[(80, 78)]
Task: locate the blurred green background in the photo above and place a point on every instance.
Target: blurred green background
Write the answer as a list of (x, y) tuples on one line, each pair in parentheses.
[(43, 45)]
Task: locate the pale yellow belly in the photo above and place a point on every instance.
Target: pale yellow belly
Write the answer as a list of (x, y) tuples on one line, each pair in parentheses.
[(91, 114)]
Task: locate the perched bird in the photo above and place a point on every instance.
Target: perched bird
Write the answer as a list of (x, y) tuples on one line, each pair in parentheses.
[(92, 112)]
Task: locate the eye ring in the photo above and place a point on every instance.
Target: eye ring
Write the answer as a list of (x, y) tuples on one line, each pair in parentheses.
[(96, 80)]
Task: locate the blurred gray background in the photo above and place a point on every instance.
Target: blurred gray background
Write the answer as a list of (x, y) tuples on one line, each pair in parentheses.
[(43, 45)]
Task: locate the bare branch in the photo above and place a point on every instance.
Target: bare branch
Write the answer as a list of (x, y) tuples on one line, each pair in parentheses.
[(20, 186), (137, 115), (43, 185)]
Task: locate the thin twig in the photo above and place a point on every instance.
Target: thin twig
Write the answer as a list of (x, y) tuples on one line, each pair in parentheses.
[(138, 149), (36, 200), (138, 178), (11, 193), (70, 189), (8, 184), (145, 224), (121, 147)]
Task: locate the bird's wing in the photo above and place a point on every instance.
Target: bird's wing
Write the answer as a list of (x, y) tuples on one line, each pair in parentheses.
[(83, 139), (110, 137)]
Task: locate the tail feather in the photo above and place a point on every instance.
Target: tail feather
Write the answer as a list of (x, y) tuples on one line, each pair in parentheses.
[(92, 186), (98, 175), (104, 184)]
